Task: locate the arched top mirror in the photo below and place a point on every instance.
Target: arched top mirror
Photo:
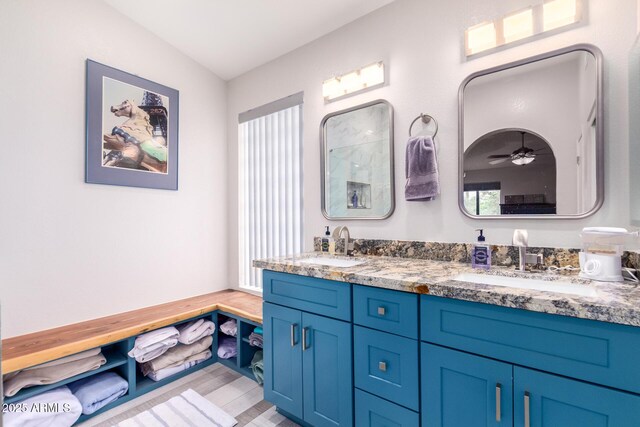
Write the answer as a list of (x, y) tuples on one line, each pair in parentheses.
[(531, 137)]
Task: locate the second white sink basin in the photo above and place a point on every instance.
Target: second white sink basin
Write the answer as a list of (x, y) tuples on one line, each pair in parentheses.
[(534, 284), (331, 262)]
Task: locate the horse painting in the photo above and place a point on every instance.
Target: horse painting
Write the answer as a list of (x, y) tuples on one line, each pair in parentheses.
[(132, 144)]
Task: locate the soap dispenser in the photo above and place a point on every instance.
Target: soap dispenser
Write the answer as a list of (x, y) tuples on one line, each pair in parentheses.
[(481, 253), (326, 240)]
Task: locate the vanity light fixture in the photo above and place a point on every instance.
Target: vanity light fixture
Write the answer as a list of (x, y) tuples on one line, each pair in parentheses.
[(548, 16), (364, 78), (518, 26), (558, 13), (481, 37)]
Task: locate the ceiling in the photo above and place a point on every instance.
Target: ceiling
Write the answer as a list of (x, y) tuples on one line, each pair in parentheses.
[(231, 37)]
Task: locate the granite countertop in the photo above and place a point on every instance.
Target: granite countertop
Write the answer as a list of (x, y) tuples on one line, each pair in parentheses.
[(614, 302)]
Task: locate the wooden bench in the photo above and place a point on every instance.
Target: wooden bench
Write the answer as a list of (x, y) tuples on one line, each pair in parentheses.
[(116, 336), (33, 349)]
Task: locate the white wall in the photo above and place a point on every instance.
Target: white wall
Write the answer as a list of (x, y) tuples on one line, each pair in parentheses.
[(71, 251), (421, 43)]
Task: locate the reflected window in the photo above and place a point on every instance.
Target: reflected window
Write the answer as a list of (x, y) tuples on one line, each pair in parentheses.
[(482, 198)]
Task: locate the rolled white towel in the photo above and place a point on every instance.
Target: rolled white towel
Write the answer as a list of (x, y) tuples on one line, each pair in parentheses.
[(58, 408), (193, 331)]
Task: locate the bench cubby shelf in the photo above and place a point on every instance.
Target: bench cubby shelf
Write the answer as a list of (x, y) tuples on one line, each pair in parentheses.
[(127, 368)]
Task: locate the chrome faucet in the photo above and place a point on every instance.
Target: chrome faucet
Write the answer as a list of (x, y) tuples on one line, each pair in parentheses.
[(521, 240), (337, 234)]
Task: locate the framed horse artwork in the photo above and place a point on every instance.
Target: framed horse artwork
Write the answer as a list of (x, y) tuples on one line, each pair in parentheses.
[(132, 130)]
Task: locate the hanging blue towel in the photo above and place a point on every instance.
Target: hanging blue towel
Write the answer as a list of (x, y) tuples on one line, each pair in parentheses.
[(421, 169)]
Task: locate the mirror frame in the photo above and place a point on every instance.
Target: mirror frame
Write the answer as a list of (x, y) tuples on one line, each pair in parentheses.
[(599, 116), (323, 163)]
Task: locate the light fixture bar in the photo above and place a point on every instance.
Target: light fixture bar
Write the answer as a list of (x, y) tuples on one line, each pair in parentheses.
[(548, 16), (363, 78)]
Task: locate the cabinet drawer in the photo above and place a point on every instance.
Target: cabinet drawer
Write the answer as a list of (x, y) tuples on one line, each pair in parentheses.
[(598, 352), (371, 411), (386, 365), (324, 297), (390, 311)]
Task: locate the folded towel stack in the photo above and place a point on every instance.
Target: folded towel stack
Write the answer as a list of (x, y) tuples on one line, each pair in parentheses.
[(99, 390), (52, 372), (257, 367), (62, 410), (153, 344), (227, 346), (195, 330), (188, 363), (177, 355), (255, 340), (182, 356), (230, 327)]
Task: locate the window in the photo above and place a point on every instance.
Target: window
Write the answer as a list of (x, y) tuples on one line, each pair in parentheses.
[(482, 199), (270, 185)]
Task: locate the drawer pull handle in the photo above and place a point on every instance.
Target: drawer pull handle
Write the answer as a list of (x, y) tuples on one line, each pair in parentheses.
[(527, 414), (381, 311), (304, 339), (293, 334), (498, 399), (382, 366)]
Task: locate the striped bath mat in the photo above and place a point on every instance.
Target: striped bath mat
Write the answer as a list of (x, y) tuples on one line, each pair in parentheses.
[(187, 410)]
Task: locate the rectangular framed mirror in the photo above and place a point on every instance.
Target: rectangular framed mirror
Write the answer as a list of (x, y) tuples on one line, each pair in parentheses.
[(531, 137), (356, 151)]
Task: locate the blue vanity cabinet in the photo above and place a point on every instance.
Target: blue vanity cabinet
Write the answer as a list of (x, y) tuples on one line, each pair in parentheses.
[(327, 371), (308, 354), (283, 358), (464, 390), (553, 371), (545, 400)]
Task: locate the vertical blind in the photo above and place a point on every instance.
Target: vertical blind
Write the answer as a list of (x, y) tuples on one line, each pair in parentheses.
[(271, 190)]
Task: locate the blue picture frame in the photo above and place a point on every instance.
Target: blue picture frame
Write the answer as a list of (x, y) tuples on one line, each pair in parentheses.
[(132, 130)]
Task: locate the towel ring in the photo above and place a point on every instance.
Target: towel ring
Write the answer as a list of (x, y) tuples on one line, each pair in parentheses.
[(425, 119)]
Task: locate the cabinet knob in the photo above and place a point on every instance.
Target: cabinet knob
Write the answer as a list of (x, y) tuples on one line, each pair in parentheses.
[(381, 311), (382, 366)]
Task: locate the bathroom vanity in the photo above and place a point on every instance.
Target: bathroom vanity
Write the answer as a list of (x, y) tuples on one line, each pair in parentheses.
[(398, 342)]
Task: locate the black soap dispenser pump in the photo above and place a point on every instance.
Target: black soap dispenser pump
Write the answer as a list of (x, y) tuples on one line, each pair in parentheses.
[(481, 253)]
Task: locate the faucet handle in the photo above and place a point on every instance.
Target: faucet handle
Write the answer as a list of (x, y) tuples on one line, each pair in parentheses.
[(520, 238)]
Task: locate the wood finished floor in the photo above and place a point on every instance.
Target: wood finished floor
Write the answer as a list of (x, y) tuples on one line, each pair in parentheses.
[(235, 394)]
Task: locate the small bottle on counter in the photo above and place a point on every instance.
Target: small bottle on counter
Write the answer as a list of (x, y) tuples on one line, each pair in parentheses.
[(481, 253), (327, 240)]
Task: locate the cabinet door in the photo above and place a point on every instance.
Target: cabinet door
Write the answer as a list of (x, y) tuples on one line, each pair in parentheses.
[(462, 390), (328, 385), (283, 358), (545, 400)]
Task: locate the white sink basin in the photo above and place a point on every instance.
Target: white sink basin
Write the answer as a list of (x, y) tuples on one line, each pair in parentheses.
[(331, 262), (534, 284)]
